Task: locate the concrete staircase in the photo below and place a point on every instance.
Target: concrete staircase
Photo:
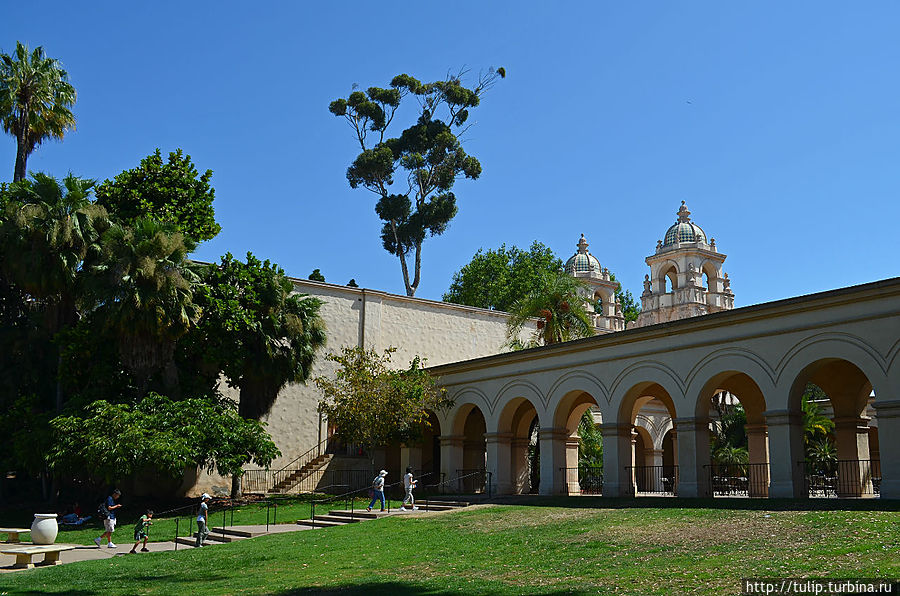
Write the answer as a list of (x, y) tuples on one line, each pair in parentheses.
[(220, 536), (297, 476), (341, 517)]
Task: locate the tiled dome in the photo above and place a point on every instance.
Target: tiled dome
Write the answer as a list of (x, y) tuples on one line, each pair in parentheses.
[(582, 261), (684, 230)]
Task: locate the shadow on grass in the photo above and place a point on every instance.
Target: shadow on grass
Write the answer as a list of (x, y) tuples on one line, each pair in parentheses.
[(675, 503), (403, 589)]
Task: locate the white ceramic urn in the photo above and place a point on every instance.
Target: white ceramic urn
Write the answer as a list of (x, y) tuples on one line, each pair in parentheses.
[(44, 528)]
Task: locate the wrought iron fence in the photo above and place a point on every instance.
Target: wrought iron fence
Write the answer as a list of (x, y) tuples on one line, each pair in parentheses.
[(654, 480), (583, 480), (749, 480), (256, 481), (845, 478)]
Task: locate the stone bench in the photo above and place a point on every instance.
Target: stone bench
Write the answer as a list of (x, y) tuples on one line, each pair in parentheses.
[(13, 533), (25, 552)]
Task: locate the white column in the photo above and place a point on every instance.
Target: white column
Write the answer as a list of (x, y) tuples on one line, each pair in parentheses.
[(499, 462), (570, 474), (617, 480), (852, 437), (758, 450), (888, 414), (786, 455), (693, 455), (451, 456), (553, 457)]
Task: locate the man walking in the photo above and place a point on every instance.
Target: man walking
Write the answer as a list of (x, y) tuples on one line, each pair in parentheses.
[(203, 520), (109, 522)]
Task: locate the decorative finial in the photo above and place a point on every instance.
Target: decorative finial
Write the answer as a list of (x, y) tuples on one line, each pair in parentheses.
[(684, 214), (658, 244), (582, 245)]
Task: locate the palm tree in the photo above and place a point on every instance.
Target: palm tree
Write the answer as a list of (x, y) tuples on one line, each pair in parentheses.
[(142, 288), (559, 306), (35, 97), (48, 230)]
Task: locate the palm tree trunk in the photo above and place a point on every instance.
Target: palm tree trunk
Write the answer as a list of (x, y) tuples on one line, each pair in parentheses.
[(21, 147)]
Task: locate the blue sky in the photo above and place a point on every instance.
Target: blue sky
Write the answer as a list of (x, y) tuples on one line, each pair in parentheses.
[(778, 123)]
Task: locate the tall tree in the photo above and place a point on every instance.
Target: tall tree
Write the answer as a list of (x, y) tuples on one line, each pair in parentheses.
[(171, 191), (35, 101), (48, 229), (255, 330), (142, 290), (496, 279), (559, 308), (428, 156)]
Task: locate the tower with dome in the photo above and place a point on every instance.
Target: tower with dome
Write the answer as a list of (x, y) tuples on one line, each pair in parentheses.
[(600, 291), (686, 278)]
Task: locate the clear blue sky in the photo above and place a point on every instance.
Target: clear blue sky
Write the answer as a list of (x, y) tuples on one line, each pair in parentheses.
[(778, 123)]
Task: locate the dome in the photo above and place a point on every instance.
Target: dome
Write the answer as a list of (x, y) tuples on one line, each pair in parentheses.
[(582, 261), (684, 230)]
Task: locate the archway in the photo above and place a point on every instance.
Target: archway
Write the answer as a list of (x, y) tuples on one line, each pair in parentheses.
[(732, 406), (579, 468), (834, 397), (474, 456), (517, 448), (641, 449), (430, 468)]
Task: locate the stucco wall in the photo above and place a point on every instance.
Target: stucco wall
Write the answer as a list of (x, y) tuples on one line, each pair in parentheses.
[(440, 332)]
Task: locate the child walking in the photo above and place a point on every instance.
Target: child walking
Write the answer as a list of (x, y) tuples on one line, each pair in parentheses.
[(141, 531)]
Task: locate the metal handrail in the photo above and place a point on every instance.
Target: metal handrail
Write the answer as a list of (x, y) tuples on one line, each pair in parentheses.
[(317, 448)]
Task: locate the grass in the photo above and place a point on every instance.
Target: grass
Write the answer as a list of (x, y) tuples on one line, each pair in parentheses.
[(510, 550), (289, 510)]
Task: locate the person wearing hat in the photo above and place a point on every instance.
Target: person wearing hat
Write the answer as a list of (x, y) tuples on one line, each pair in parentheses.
[(378, 490), (203, 520)]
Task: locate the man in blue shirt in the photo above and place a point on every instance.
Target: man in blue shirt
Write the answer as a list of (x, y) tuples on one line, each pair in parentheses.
[(109, 524)]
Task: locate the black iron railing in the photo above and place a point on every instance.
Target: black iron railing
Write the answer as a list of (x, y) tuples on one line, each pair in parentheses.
[(588, 479), (654, 480), (735, 480), (472, 481), (846, 478)]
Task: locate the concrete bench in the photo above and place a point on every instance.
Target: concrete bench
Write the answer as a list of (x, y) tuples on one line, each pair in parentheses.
[(25, 552), (13, 533)]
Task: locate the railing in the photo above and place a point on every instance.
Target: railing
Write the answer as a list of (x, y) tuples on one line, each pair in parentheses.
[(846, 478), (585, 480), (654, 480), (299, 462), (749, 480), (471, 481), (256, 481)]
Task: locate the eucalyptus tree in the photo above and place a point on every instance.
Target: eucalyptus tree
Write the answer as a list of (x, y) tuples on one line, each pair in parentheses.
[(35, 101), (413, 174), (559, 307)]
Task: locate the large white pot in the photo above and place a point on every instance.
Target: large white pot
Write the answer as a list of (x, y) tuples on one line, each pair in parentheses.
[(44, 528)]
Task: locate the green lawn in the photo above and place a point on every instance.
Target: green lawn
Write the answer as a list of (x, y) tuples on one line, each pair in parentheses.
[(288, 511), (510, 550)]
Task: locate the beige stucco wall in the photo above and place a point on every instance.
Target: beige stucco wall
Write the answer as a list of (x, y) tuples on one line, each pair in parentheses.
[(437, 331)]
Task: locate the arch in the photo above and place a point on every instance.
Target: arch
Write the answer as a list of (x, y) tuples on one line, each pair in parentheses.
[(645, 379), (729, 372), (831, 346), (668, 272), (520, 388), (511, 416), (576, 380), (711, 271), (464, 401)]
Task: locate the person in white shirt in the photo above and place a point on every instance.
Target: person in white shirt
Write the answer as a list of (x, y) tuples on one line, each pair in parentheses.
[(409, 484), (203, 521)]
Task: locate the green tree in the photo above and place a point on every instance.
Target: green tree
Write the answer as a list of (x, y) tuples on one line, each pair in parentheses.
[(590, 445), (114, 441), (35, 101), (559, 307), (496, 279), (631, 308), (48, 230), (424, 161), (371, 404), (170, 191), (316, 275), (141, 288)]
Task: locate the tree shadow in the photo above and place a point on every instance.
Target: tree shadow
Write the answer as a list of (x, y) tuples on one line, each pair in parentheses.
[(404, 589)]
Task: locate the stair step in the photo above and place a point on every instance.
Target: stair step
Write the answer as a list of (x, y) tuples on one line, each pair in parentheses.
[(216, 536), (437, 502), (337, 518), (320, 524), (363, 514), (192, 542), (235, 533)]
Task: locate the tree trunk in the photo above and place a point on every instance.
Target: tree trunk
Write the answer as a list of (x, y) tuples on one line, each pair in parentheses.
[(21, 148), (236, 486)]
